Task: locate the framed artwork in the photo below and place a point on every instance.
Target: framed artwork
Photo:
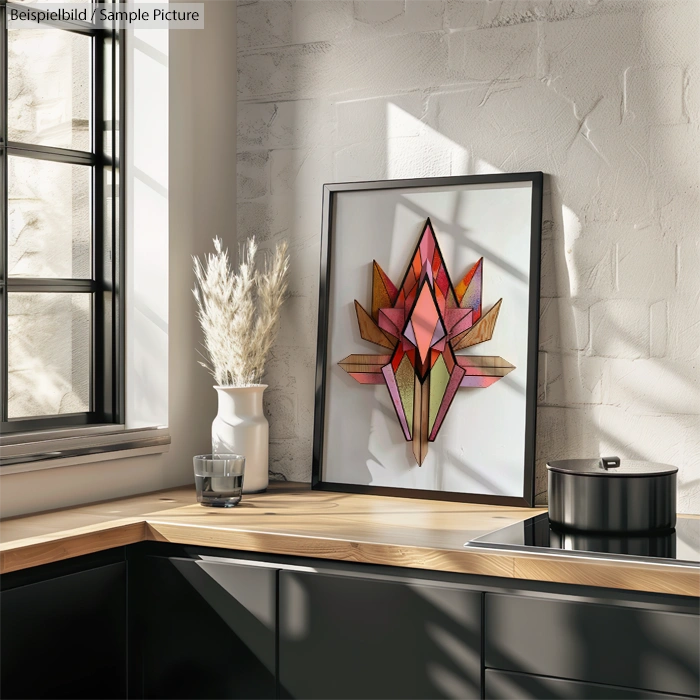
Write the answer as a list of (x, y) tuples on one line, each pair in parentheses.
[(426, 371)]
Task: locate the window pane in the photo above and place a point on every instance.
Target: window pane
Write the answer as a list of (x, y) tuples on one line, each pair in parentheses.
[(49, 88), (49, 221), (48, 353)]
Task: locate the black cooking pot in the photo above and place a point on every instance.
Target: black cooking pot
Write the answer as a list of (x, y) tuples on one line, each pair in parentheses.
[(606, 495)]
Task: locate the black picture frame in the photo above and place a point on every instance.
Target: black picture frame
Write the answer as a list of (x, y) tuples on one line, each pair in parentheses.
[(330, 192)]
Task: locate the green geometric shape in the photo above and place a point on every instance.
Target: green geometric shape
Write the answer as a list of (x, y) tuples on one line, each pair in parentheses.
[(405, 380), (439, 378)]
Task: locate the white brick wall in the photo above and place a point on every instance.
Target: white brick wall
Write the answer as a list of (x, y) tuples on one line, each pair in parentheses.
[(603, 96)]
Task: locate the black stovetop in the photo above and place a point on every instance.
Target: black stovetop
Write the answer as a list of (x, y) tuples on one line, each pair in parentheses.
[(680, 546)]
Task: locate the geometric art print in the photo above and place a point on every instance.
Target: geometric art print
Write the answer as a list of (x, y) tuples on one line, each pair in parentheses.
[(422, 324)]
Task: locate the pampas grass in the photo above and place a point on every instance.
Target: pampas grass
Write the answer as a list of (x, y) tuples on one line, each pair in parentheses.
[(239, 311)]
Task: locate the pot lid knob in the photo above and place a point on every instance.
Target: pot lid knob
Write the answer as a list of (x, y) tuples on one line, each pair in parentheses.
[(609, 462)]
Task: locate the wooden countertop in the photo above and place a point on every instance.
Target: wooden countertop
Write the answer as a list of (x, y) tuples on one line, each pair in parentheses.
[(290, 519)]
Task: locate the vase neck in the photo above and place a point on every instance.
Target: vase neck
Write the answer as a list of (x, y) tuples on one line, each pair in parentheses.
[(241, 401)]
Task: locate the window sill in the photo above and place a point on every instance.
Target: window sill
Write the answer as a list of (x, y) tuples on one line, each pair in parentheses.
[(53, 449)]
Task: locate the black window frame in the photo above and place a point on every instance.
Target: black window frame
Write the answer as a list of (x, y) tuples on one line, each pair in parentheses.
[(106, 285)]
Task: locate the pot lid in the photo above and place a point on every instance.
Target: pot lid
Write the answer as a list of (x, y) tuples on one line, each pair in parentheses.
[(610, 466)]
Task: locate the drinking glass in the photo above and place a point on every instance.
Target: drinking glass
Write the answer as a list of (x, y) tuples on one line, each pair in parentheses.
[(219, 479)]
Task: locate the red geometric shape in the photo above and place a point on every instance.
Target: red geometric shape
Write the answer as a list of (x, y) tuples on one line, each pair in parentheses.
[(437, 261), (409, 282), (396, 358), (440, 298), (410, 299), (391, 321), (457, 318), (368, 377), (442, 280), (468, 291), (416, 265)]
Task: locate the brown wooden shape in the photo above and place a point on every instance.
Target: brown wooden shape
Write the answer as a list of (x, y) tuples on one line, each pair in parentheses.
[(365, 363), (481, 331), (369, 330), (382, 296)]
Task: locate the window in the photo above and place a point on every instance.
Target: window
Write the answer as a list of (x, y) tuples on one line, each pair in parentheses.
[(61, 248)]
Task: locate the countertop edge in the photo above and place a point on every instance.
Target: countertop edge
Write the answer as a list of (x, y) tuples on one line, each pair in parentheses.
[(69, 545), (163, 526), (647, 577)]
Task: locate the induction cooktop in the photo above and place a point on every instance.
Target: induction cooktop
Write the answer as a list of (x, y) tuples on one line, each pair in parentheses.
[(680, 546)]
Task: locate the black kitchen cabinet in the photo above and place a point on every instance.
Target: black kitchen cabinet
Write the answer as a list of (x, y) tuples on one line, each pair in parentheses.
[(616, 643), (344, 636), (201, 629), (504, 685), (203, 623), (63, 635)]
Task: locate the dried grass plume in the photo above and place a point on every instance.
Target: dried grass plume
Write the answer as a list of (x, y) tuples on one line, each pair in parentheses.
[(239, 311)]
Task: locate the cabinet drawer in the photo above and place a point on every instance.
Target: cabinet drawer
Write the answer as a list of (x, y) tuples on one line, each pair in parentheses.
[(202, 629), (504, 685), (593, 642), (65, 637), (359, 637)]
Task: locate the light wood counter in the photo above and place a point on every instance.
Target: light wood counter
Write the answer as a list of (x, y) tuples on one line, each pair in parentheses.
[(290, 519)]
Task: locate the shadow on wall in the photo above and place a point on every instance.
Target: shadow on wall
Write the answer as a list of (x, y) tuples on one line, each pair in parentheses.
[(601, 97), (579, 371)]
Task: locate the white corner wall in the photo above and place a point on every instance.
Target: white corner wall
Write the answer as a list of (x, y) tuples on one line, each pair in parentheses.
[(195, 194), (601, 95)]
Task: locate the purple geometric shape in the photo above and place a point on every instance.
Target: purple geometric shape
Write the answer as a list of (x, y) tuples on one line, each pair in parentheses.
[(410, 334), (438, 335), (393, 387), (427, 248), (478, 382), (426, 272)]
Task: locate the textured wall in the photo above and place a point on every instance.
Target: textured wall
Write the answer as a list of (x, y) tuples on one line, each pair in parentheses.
[(603, 96)]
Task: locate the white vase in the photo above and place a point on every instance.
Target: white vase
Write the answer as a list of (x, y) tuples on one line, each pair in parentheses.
[(240, 427)]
